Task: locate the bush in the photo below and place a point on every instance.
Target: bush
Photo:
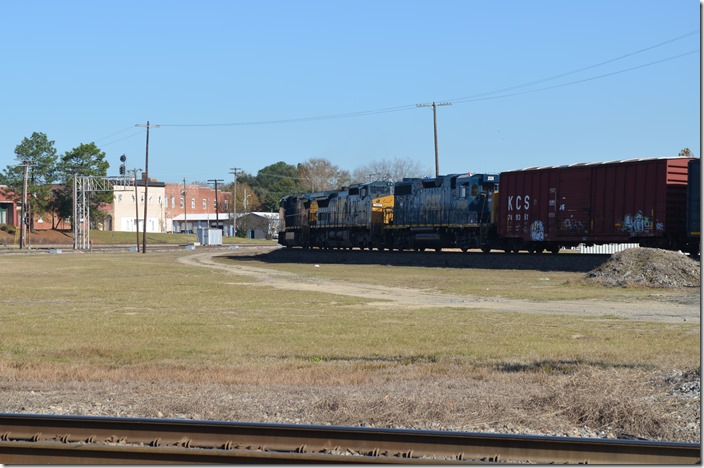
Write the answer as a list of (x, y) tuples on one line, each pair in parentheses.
[(8, 228)]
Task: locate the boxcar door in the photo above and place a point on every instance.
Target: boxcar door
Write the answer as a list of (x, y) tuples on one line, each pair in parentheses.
[(574, 202)]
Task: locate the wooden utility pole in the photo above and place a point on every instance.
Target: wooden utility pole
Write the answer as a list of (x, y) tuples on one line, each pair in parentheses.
[(234, 201), (24, 211), (146, 185), (217, 218), (435, 130), (136, 206), (185, 208)]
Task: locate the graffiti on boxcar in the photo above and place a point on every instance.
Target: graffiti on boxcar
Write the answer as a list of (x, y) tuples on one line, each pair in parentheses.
[(572, 225), (639, 223), (537, 231)]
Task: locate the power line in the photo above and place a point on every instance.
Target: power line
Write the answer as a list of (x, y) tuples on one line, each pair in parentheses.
[(476, 97), (560, 75), (120, 139)]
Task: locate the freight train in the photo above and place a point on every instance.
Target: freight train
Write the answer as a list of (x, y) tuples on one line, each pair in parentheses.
[(653, 202)]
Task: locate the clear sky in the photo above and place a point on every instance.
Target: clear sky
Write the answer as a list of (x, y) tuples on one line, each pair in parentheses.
[(246, 84)]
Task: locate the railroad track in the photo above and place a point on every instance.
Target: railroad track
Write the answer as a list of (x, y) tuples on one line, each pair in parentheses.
[(39, 439)]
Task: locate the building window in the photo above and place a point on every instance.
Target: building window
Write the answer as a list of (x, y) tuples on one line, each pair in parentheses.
[(205, 204), (173, 201), (193, 203), (181, 202)]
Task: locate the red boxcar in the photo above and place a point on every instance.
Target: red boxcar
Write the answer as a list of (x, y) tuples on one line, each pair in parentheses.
[(636, 200)]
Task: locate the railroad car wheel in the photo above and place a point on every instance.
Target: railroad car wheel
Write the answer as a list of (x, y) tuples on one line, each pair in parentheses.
[(486, 249)]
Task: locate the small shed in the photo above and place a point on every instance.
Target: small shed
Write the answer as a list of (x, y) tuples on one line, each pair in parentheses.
[(259, 225)]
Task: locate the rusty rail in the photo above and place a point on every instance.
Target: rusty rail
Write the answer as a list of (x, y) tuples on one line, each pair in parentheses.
[(37, 439)]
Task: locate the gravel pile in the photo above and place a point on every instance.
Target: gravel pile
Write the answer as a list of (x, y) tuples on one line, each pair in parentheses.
[(647, 267)]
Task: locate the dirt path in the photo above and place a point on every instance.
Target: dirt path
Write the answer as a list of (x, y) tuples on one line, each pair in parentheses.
[(392, 297)]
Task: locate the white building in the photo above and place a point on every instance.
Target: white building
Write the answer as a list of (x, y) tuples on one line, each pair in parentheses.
[(127, 213)]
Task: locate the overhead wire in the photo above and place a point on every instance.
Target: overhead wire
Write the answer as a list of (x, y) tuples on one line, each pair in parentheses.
[(476, 97), (473, 99), (561, 75)]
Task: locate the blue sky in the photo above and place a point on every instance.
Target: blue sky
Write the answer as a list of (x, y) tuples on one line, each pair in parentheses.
[(249, 83)]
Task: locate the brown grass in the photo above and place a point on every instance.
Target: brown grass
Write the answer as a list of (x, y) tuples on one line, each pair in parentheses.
[(145, 326)]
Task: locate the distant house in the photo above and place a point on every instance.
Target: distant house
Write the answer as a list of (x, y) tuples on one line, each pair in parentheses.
[(259, 225)]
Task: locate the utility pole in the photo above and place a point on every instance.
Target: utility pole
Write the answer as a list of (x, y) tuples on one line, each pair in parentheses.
[(146, 184), (185, 208), (136, 206), (217, 218), (435, 129), (234, 201), (24, 210)]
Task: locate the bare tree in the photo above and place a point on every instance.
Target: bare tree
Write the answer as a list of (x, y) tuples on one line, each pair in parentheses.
[(319, 174), (389, 170)]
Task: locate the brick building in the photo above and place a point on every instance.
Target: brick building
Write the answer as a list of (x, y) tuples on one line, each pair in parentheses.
[(191, 206)]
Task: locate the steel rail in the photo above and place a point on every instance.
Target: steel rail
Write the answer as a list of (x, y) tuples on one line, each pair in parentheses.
[(34, 439)]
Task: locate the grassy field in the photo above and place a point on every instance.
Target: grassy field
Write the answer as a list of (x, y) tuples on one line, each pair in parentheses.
[(515, 284), (64, 237), (150, 317)]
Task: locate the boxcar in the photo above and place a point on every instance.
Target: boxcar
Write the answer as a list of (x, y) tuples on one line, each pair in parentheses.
[(694, 206), (640, 200)]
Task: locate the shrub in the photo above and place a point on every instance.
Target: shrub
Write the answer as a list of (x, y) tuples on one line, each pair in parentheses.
[(8, 228)]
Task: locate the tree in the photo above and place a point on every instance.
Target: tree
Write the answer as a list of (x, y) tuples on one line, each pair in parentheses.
[(686, 153), (389, 170), (273, 183), (39, 153), (320, 174), (84, 160)]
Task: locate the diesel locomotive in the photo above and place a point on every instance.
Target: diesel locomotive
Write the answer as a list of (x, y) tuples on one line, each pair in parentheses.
[(653, 202)]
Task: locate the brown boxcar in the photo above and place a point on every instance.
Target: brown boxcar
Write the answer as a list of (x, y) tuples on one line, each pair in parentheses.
[(636, 200)]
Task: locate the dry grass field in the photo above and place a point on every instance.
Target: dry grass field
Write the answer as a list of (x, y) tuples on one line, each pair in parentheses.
[(224, 334)]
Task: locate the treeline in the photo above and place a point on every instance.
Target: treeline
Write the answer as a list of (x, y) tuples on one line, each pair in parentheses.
[(50, 178)]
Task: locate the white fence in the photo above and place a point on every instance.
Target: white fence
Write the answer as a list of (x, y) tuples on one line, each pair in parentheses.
[(604, 248)]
